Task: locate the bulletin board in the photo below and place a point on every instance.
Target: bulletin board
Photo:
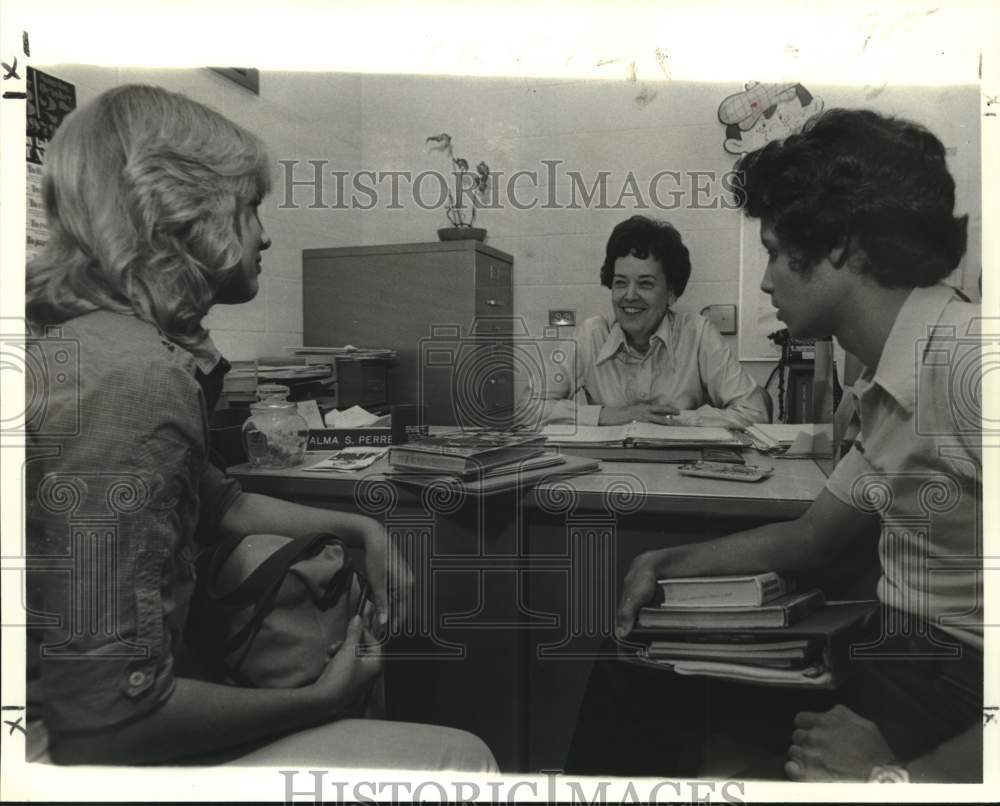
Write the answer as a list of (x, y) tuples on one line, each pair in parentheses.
[(49, 100), (757, 317)]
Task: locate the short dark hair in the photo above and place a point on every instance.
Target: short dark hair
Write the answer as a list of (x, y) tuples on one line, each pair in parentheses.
[(641, 236), (854, 176)]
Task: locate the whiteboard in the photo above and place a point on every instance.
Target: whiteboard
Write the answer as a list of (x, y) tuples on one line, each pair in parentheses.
[(757, 317)]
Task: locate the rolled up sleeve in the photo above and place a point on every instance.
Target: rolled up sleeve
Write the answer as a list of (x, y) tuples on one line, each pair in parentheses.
[(106, 523), (735, 399)]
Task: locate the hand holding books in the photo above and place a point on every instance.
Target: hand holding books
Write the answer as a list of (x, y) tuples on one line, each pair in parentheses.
[(748, 628), (638, 589)]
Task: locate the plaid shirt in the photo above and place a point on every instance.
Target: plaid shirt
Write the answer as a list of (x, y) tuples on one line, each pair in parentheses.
[(119, 493)]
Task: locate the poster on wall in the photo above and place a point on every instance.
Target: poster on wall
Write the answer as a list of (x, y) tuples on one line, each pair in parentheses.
[(49, 100)]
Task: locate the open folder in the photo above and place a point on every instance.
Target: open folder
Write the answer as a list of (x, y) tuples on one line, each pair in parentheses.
[(639, 435)]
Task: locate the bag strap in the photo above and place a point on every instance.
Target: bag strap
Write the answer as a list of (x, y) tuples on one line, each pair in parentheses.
[(270, 570), (260, 588)]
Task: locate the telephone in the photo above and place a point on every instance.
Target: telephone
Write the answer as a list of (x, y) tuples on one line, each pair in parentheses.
[(796, 362)]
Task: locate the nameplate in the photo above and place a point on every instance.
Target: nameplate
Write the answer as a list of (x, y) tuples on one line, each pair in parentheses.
[(333, 439)]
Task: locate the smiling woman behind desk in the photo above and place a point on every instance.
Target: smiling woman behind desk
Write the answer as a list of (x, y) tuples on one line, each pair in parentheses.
[(651, 364)]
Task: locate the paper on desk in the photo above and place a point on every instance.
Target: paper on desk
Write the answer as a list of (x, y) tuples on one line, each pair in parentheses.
[(799, 439), (310, 413), (348, 460), (354, 417), (812, 440)]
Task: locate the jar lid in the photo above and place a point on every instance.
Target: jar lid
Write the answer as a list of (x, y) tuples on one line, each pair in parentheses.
[(274, 404), (272, 392)]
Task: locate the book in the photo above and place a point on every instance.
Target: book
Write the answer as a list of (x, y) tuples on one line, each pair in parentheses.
[(787, 654), (639, 435), (782, 612), (465, 452), (817, 675), (749, 591), (542, 460), (516, 477), (793, 648), (736, 654)]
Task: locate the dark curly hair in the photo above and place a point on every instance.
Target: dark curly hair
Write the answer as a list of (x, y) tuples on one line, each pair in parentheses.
[(855, 177), (641, 236)]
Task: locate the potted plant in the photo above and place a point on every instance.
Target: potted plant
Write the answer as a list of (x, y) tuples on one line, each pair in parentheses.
[(471, 185)]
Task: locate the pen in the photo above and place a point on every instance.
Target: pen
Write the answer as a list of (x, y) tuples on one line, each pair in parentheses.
[(362, 597)]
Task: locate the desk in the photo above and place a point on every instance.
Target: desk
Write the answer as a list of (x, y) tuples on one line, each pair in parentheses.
[(515, 591)]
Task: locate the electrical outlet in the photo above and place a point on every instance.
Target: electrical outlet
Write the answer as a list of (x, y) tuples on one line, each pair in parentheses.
[(722, 316), (562, 318)]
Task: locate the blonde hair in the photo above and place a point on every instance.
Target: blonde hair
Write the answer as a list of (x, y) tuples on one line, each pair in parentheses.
[(144, 190)]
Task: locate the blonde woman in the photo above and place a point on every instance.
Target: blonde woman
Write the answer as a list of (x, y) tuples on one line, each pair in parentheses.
[(152, 207)]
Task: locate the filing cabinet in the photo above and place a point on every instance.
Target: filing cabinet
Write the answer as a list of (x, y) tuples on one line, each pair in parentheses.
[(447, 308)]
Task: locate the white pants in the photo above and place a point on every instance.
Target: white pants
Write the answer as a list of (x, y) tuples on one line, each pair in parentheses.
[(378, 744), (349, 743)]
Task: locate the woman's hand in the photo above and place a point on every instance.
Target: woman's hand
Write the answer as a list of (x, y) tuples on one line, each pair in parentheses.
[(639, 413), (347, 677), (638, 590), (388, 574)]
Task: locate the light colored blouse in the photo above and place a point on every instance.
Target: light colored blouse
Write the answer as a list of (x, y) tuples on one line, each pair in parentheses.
[(688, 366)]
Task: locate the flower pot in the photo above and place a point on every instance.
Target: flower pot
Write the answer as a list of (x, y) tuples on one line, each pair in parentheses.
[(462, 234)]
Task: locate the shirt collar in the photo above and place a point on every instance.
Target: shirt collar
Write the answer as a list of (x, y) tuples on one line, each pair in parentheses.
[(897, 367), (616, 338), (206, 355)]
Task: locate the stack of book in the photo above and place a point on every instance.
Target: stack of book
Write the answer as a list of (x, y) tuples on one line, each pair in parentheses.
[(485, 461), (741, 627), (465, 454)]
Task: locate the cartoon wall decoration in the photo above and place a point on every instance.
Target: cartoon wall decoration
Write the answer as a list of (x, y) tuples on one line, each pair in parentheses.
[(765, 112), (753, 118)]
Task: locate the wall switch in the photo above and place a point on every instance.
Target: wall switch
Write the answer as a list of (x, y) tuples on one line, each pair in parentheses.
[(562, 318), (722, 316)]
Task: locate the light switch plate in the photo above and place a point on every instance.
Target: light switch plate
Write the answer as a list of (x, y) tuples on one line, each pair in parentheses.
[(562, 318)]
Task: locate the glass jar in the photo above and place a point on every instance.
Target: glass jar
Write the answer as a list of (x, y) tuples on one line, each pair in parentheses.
[(275, 433)]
